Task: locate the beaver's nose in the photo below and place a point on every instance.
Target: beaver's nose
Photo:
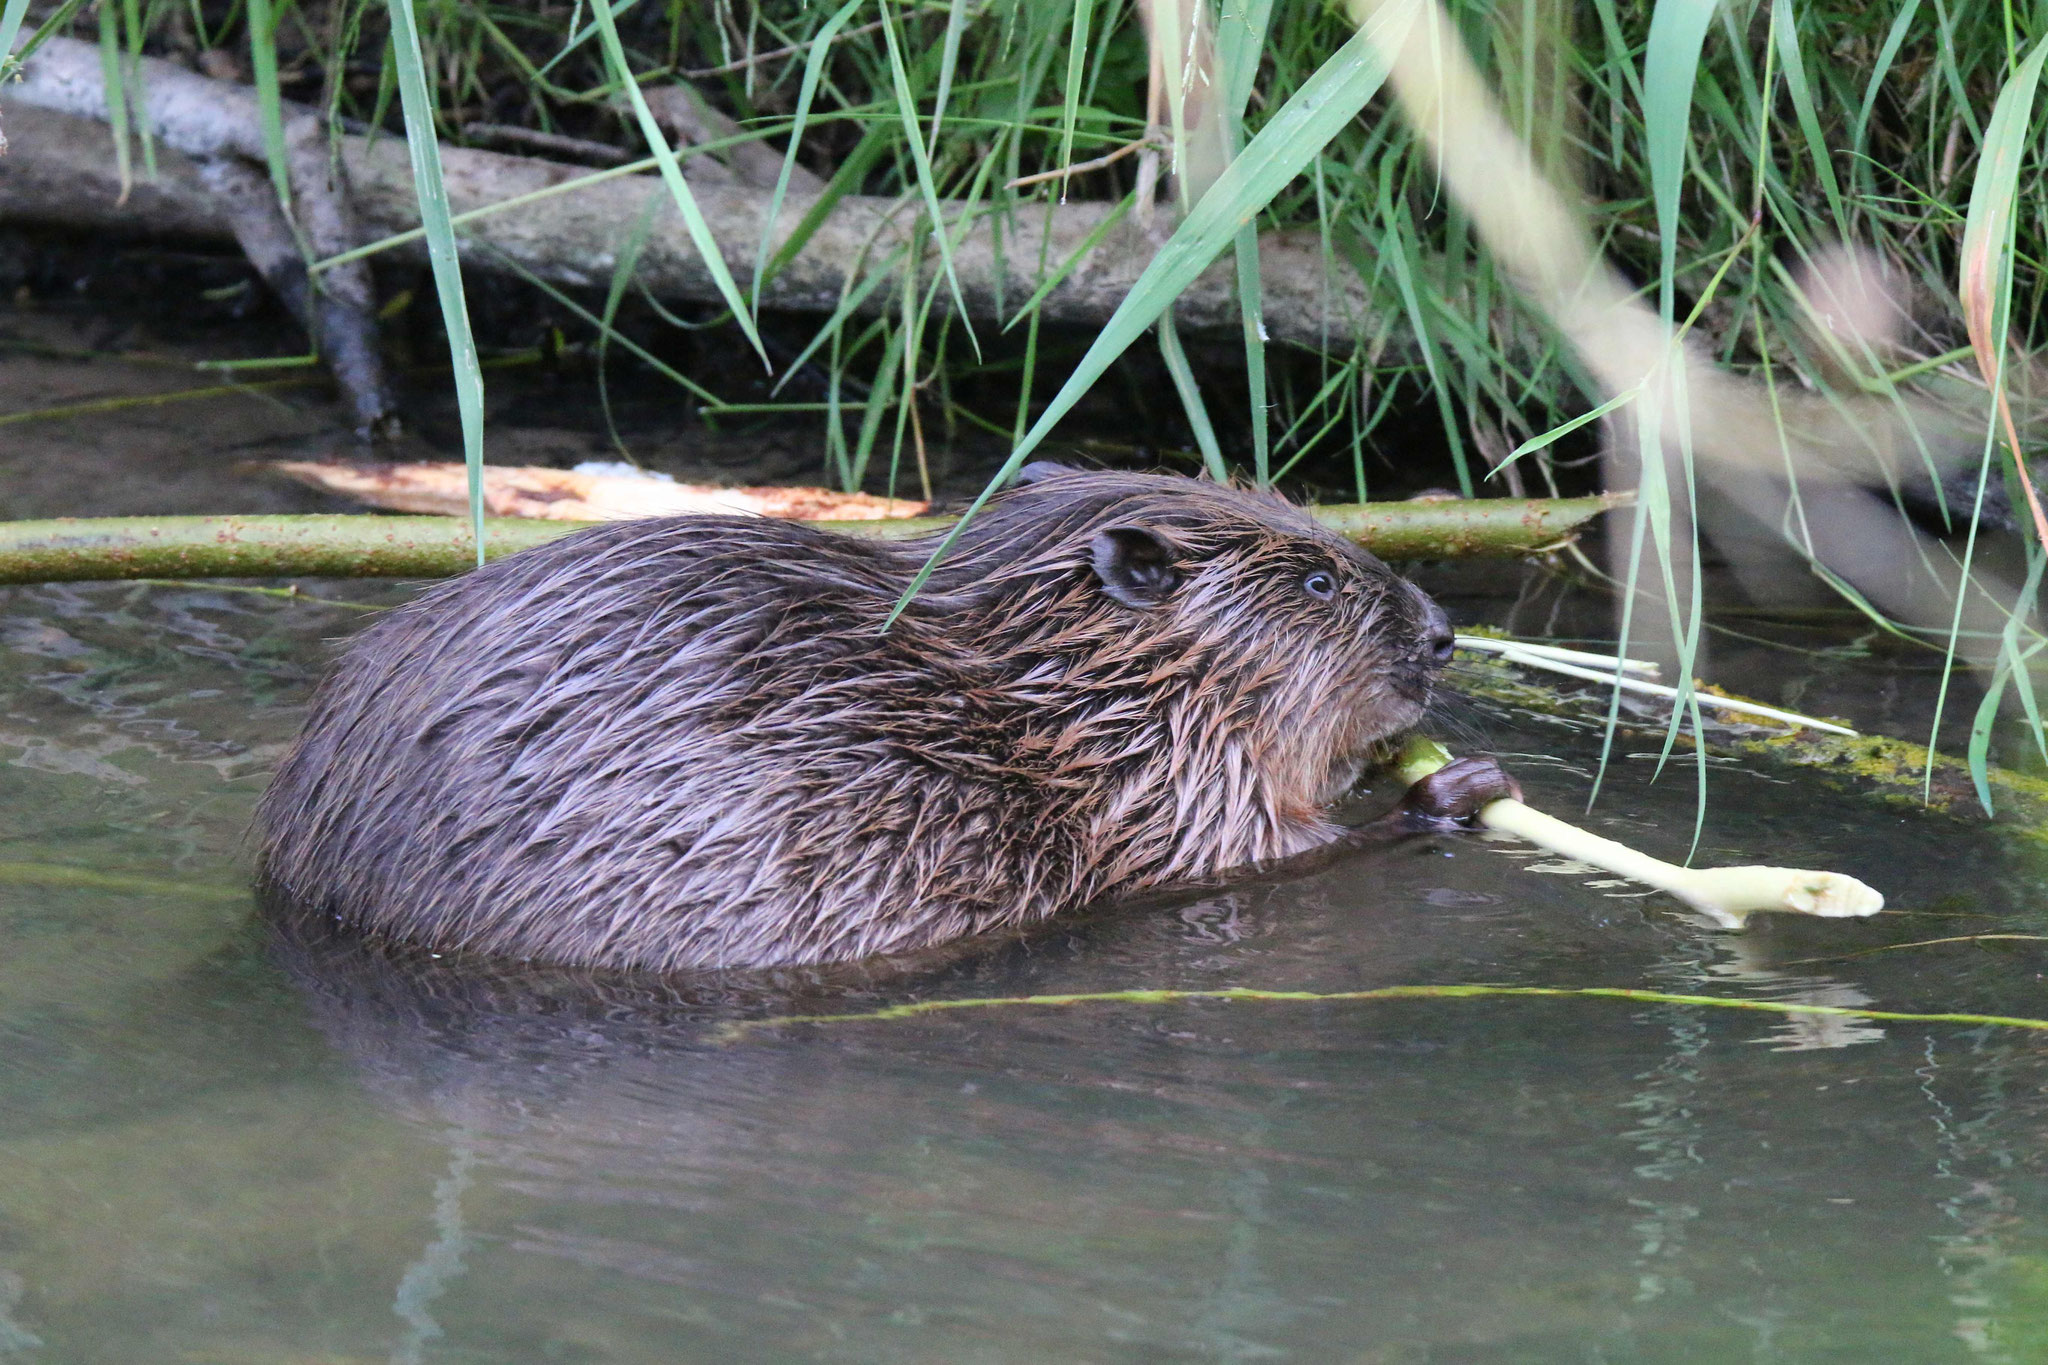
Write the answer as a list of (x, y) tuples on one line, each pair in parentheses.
[(1436, 633)]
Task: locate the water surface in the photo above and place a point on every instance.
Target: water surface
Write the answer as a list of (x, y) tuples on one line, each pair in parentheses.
[(218, 1143)]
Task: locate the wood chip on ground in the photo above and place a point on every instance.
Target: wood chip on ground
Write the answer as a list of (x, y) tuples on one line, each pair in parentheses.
[(571, 495)]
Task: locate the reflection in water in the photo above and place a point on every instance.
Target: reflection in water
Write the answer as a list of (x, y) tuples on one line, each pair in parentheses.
[(14, 1338), (1668, 1134), (427, 1278), (1799, 1032), (1979, 1209), (1324, 1179)]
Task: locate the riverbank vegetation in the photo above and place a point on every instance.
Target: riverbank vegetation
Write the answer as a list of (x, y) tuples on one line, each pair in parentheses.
[(1807, 125)]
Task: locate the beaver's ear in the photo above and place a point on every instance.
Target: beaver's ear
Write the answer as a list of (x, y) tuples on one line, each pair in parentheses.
[(1135, 566)]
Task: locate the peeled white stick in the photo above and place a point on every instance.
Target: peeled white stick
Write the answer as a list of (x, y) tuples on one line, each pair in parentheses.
[(1488, 644), (1726, 895)]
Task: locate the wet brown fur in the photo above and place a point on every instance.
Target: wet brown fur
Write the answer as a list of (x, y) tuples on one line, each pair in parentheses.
[(689, 742)]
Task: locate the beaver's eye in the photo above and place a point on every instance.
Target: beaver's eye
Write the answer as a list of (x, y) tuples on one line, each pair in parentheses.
[(1319, 584)]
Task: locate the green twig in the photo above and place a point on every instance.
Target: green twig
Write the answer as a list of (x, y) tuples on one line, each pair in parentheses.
[(59, 874), (292, 593), (737, 1030), (1920, 943), (355, 546), (154, 400)]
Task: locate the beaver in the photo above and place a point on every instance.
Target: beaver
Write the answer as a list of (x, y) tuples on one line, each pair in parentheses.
[(700, 742)]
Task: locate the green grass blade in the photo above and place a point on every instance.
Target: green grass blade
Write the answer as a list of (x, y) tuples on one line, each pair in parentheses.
[(1944, 49), (1026, 378), (624, 342), (1395, 249), (1671, 63), (851, 299), (1077, 58), (10, 29), (1080, 253), (423, 143), (1239, 40), (1989, 224), (579, 36), (1678, 29), (1251, 309), (138, 93), (1874, 85), (1298, 131), (1785, 44), (866, 154), (814, 66), (117, 96), (1191, 399), (2017, 660), (270, 102), (877, 404), (906, 106), (1985, 286), (912, 328), (1979, 753), (949, 62), (1339, 377), (1564, 429), (622, 275), (678, 188), (52, 24)]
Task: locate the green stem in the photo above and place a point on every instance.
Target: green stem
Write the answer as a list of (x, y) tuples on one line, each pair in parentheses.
[(737, 1030), (68, 550), (60, 874)]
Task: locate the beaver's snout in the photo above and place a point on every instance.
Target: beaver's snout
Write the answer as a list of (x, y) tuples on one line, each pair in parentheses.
[(1427, 648), (1437, 637)]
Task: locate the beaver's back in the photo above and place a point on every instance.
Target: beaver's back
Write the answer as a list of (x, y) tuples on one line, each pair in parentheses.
[(703, 742), (641, 745)]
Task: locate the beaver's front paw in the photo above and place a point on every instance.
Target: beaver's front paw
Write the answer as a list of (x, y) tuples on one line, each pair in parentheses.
[(1458, 791)]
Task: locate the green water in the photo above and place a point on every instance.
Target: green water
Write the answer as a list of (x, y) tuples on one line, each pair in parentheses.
[(221, 1145)]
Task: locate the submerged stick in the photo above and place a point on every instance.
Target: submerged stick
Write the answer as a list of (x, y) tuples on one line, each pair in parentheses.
[(62, 875), (347, 546), (1726, 895), (1600, 668), (1898, 772), (739, 1029)]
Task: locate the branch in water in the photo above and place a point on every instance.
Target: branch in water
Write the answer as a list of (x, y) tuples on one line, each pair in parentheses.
[(741, 1029), (1726, 895), (74, 550)]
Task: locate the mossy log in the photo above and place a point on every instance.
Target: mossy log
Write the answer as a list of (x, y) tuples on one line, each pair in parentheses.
[(1902, 773), (1896, 772), (359, 546)]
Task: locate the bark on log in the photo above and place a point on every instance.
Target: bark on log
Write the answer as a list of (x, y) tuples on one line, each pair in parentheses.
[(339, 311), (61, 170), (344, 298), (345, 546)]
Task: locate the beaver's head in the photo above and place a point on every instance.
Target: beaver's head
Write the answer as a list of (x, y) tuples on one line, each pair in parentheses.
[(1226, 624)]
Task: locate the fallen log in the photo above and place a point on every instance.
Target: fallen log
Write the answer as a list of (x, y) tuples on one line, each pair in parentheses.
[(351, 546), (61, 170)]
